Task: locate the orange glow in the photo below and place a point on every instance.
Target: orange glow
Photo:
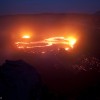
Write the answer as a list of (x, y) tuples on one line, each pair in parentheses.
[(54, 42), (66, 49), (21, 47), (72, 41), (61, 40), (26, 36)]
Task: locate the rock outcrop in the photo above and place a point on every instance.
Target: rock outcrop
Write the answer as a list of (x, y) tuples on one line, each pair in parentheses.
[(19, 81)]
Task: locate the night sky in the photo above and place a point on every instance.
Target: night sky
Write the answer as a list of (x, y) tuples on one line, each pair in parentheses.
[(48, 6)]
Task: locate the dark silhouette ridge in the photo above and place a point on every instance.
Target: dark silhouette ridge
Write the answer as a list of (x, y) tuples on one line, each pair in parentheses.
[(19, 81)]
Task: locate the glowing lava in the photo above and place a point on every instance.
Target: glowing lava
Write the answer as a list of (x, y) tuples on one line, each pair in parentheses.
[(53, 42), (62, 40), (72, 41)]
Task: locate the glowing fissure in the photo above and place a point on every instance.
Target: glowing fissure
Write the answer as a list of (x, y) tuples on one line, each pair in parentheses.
[(65, 43)]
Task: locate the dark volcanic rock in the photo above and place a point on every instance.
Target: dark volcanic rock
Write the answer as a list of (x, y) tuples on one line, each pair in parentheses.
[(19, 81)]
